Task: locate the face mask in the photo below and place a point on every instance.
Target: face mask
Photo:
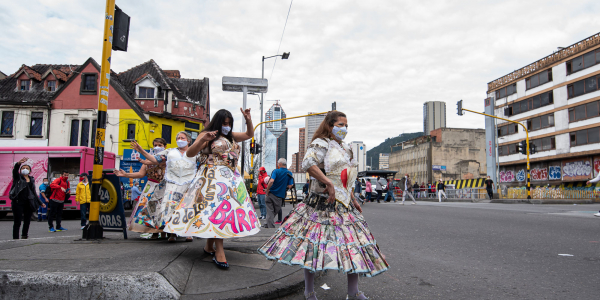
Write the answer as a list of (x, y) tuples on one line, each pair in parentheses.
[(158, 149), (182, 143), (46, 182), (25, 171), (225, 130), (340, 132)]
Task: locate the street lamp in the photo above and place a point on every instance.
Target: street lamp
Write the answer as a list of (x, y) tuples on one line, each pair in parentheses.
[(285, 55)]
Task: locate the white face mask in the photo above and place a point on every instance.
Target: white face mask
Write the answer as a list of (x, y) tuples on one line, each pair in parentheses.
[(225, 130), (158, 149), (25, 171), (182, 143), (46, 182), (340, 132)]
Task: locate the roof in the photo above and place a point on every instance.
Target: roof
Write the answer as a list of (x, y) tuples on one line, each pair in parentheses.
[(9, 94), (172, 73)]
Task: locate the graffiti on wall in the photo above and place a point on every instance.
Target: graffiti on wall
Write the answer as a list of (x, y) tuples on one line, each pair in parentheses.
[(521, 175), (577, 168), (507, 176), (552, 192), (596, 166), (555, 173), (539, 174)]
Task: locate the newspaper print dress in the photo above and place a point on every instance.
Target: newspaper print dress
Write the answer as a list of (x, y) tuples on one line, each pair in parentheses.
[(217, 204), (147, 213), (320, 236)]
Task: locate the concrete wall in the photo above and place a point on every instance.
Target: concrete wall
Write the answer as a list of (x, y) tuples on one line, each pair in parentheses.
[(414, 160), (462, 151)]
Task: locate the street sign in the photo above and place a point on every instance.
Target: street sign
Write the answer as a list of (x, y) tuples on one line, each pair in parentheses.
[(253, 85)]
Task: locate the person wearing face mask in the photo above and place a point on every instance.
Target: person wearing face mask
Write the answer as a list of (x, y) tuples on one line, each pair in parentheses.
[(179, 173), (84, 197), (24, 200), (42, 211), (329, 211), (217, 205), (146, 216), (60, 192)]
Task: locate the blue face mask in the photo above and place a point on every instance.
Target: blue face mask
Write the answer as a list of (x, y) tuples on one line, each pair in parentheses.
[(340, 132), (225, 130)]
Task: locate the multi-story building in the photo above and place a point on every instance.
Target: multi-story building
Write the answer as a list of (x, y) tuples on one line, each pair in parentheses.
[(295, 167), (447, 154), (279, 130), (301, 143), (311, 124), (557, 99), (434, 115), (384, 161), (360, 154)]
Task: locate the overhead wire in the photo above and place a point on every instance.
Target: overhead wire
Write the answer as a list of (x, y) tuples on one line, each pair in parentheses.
[(280, 40)]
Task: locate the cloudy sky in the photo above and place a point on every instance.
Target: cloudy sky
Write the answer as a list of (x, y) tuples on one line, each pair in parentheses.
[(379, 60)]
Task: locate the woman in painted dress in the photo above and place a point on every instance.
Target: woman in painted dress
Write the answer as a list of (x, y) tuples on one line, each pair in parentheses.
[(327, 231), (179, 173), (217, 205), (146, 213)]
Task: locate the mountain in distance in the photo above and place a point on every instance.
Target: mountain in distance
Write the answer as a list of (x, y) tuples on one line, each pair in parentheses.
[(384, 147)]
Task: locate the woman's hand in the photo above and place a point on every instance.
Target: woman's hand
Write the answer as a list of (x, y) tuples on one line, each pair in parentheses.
[(120, 173), (135, 146), (246, 114), (43, 205), (331, 191), (208, 136), (357, 206), (23, 160)]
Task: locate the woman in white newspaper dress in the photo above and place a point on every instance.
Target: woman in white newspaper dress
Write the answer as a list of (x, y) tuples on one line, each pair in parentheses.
[(327, 231)]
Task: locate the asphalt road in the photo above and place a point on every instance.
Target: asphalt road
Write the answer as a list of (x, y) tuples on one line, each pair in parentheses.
[(463, 251), (480, 251)]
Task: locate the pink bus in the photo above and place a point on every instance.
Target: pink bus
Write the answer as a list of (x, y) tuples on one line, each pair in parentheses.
[(48, 162)]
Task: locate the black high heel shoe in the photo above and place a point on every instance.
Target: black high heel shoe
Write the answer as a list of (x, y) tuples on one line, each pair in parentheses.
[(209, 253), (221, 265)]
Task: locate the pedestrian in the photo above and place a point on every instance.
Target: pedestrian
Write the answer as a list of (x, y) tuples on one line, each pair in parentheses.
[(179, 172), (357, 189), (379, 188), (24, 200), (42, 210), (261, 190), (61, 191), (406, 187), (429, 189), (305, 188), (83, 196), (146, 216), (390, 192), (423, 190), (590, 182), (329, 210), (135, 191), (279, 182), (489, 187), (216, 204), (416, 191), (368, 191), (441, 188)]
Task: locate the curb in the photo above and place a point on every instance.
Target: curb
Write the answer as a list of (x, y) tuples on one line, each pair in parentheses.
[(543, 201)]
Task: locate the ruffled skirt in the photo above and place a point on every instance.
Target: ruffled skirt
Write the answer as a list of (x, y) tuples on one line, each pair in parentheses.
[(147, 213), (320, 236), (216, 205)]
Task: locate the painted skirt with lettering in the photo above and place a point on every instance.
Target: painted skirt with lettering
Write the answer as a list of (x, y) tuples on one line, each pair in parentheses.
[(147, 213), (216, 205), (320, 236)]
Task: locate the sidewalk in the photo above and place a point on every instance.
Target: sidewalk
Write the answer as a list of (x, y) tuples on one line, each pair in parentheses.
[(65, 268), (509, 201)]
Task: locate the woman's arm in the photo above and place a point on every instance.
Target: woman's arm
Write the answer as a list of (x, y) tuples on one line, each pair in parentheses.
[(201, 143), (141, 173), (315, 172), (242, 136), (135, 146)]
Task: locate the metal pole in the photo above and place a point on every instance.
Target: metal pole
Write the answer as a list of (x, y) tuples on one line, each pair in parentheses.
[(261, 113), (245, 90), (94, 229)]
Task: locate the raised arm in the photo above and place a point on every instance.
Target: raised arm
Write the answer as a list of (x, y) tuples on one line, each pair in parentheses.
[(201, 143), (139, 174), (135, 146), (242, 136)]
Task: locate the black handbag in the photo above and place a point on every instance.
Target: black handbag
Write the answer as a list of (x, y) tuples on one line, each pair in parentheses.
[(12, 195)]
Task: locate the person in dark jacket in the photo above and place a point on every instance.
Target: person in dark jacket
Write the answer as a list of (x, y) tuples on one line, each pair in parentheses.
[(60, 191), (24, 198)]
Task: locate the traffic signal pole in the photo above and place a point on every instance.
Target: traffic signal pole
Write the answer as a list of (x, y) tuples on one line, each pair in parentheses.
[(94, 229), (460, 109)]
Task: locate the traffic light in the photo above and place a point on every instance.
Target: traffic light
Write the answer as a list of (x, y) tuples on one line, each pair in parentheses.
[(532, 148), (523, 147), (459, 108), (257, 148), (120, 30)]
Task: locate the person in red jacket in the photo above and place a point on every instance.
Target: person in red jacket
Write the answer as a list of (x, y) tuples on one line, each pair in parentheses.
[(60, 189), (261, 189)]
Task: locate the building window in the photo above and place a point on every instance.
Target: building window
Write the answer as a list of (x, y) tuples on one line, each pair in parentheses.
[(586, 136), (74, 132), (584, 86), (544, 144), (532, 103), (507, 149), (51, 86), (146, 93), (192, 125), (166, 133), (175, 103), (506, 91), (8, 118), (131, 131), (88, 84), (155, 102), (540, 122), (37, 119), (582, 112), (25, 85), (85, 133), (506, 130), (584, 61), (539, 79)]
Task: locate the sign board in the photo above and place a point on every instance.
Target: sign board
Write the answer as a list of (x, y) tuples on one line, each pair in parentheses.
[(112, 214), (254, 85), (439, 168), (131, 164)]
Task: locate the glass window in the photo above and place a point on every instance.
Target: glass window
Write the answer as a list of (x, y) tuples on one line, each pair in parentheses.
[(589, 59), (146, 93), (546, 145), (502, 93), (8, 118), (536, 102), (551, 120), (535, 80), (52, 85), (577, 64), (131, 131), (523, 106), (516, 109), (581, 137), (572, 139), (24, 85), (580, 112), (572, 115), (510, 90), (545, 99), (535, 123), (591, 109), (578, 88), (85, 133), (89, 82), (512, 149), (37, 119), (74, 132), (544, 121), (590, 85), (597, 55), (543, 77), (192, 125), (166, 133), (593, 135)]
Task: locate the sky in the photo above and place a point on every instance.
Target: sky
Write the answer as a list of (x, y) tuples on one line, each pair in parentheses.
[(378, 60)]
